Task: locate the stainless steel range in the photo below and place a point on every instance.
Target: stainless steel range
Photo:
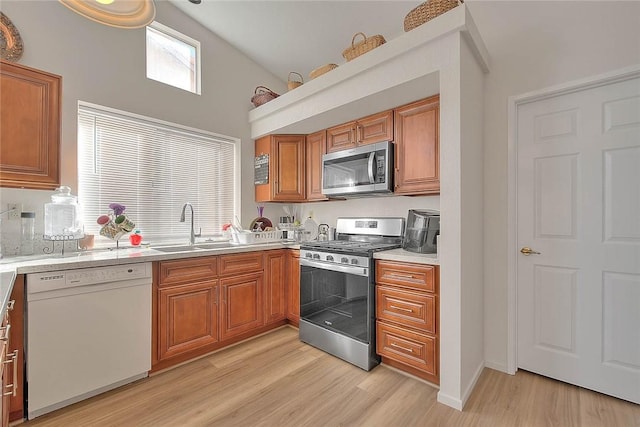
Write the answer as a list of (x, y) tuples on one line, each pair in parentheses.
[(337, 289)]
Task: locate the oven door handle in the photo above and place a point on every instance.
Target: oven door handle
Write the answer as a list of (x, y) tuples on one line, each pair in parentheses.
[(348, 269)]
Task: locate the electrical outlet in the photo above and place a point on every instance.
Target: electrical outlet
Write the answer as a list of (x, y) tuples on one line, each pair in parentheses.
[(17, 210)]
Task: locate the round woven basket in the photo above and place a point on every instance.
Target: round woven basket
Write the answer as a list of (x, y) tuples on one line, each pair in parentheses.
[(292, 84), (427, 11), (362, 46), (321, 70), (263, 95)]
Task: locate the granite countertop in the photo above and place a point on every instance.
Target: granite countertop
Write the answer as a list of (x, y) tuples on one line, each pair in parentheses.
[(6, 286), (405, 256), (104, 257)]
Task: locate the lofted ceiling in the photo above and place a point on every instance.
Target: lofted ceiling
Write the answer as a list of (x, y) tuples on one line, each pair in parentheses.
[(300, 35)]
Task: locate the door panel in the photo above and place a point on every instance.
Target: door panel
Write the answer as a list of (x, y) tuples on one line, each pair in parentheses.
[(579, 206)]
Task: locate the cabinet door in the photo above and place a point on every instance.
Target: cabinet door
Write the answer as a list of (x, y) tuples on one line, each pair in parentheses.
[(289, 185), (16, 342), (275, 303), (375, 128), (241, 304), (417, 148), (293, 287), (341, 137), (4, 380), (316, 147), (188, 317), (29, 127)]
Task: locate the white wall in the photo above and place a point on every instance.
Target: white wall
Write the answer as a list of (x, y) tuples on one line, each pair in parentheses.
[(106, 66), (534, 45)]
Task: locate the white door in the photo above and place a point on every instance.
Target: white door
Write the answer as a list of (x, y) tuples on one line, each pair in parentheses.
[(578, 204)]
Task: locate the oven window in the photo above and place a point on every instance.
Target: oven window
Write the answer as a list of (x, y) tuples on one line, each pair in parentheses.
[(337, 301)]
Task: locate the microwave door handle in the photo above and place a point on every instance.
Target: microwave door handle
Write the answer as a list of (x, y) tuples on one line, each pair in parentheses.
[(372, 164)]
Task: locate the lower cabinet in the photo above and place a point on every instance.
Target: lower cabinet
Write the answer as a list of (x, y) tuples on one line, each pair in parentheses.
[(293, 286), (202, 304), (407, 317), (241, 304), (275, 273), (188, 317), (4, 375)]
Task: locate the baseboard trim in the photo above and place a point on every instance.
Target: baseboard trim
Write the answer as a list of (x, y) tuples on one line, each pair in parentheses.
[(497, 367), (472, 384), (449, 401)]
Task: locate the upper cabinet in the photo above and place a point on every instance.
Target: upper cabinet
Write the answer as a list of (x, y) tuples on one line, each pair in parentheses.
[(29, 127), (286, 168), (368, 130), (417, 164), (316, 147)]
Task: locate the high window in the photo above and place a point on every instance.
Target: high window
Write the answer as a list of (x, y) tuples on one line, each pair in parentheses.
[(173, 58), (154, 167)]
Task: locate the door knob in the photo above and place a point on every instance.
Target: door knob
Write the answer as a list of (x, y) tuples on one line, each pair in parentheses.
[(528, 251)]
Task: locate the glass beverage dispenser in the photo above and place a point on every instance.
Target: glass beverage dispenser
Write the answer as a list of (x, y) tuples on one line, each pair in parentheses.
[(62, 216)]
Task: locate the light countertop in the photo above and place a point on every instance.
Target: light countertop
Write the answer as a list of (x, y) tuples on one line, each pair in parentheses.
[(405, 256), (104, 257)]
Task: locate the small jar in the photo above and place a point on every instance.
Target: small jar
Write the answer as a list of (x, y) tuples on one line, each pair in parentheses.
[(135, 238), (27, 236)]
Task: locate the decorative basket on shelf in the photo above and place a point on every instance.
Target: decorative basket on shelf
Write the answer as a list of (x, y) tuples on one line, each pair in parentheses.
[(321, 70), (363, 46), (292, 84), (427, 11), (263, 95)]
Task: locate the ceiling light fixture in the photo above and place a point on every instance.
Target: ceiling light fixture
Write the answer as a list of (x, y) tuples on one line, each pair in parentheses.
[(115, 13), (196, 1)]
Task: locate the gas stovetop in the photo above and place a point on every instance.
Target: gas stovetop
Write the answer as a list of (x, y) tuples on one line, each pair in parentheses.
[(348, 246)]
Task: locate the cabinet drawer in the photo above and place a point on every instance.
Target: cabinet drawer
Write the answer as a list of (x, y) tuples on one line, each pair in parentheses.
[(241, 263), (412, 309), (187, 270), (414, 276), (410, 348)]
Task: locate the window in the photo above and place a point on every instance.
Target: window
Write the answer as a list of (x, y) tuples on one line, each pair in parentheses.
[(173, 58), (153, 168)]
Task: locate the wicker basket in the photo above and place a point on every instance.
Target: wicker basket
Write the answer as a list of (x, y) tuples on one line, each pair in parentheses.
[(363, 46), (263, 95), (321, 70), (292, 84), (427, 11)]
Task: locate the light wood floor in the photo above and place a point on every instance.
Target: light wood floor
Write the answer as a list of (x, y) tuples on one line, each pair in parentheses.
[(275, 380)]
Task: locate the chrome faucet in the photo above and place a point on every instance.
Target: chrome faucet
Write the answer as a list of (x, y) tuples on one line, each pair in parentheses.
[(193, 235)]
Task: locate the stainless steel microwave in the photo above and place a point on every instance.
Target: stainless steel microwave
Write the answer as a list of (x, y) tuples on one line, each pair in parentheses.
[(363, 170)]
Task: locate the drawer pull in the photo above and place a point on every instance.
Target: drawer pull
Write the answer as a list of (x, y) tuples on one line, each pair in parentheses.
[(404, 276), (410, 350), (4, 332), (14, 385), (408, 310)]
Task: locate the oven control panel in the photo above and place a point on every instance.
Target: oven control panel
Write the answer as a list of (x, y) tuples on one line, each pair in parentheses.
[(335, 258)]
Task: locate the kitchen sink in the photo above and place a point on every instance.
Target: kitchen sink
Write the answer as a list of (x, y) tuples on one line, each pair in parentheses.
[(214, 245), (184, 248)]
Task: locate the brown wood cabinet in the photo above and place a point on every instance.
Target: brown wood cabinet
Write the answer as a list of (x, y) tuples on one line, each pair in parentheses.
[(293, 286), (4, 375), (407, 317), (16, 347), (241, 304), (275, 272), (316, 147), (417, 155), (188, 317), (367, 130), (286, 168), (186, 300), (29, 127)]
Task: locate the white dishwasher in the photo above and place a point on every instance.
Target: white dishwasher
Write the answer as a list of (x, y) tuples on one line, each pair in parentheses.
[(88, 331)]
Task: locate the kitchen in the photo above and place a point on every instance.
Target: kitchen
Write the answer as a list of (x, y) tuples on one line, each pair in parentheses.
[(86, 62)]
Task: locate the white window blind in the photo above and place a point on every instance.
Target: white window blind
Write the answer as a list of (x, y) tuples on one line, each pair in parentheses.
[(153, 168)]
